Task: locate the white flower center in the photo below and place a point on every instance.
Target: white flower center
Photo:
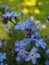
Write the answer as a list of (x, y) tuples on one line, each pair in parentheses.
[(22, 52), (31, 55)]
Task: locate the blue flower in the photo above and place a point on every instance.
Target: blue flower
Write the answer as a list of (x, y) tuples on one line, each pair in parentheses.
[(16, 14), (1, 43), (12, 13), (20, 26), (18, 44), (2, 57), (18, 59), (34, 28), (26, 40), (28, 25), (5, 7), (47, 52), (22, 43), (40, 43), (21, 52), (47, 62), (33, 37), (3, 64), (37, 34), (8, 14), (4, 16), (29, 21), (28, 32), (31, 26), (33, 55)]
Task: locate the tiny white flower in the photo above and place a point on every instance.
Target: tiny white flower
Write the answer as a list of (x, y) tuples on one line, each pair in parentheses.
[(37, 22), (44, 26), (39, 26), (32, 17)]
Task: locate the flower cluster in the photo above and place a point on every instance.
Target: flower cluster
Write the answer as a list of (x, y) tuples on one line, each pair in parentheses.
[(2, 58), (27, 49), (9, 16), (32, 38)]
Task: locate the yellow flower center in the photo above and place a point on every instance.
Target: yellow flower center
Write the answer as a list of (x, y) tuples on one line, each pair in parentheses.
[(8, 14), (22, 24), (40, 42), (32, 27), (22, 52), (22, 44)]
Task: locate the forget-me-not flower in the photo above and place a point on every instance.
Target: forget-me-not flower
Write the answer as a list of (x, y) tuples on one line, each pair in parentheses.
[(40, 43), (33, 55)]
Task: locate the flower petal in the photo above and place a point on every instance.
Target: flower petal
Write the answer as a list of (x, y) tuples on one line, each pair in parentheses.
[(37, 44), (34, 60), (43, 45), (37, 55), (27, 59)]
